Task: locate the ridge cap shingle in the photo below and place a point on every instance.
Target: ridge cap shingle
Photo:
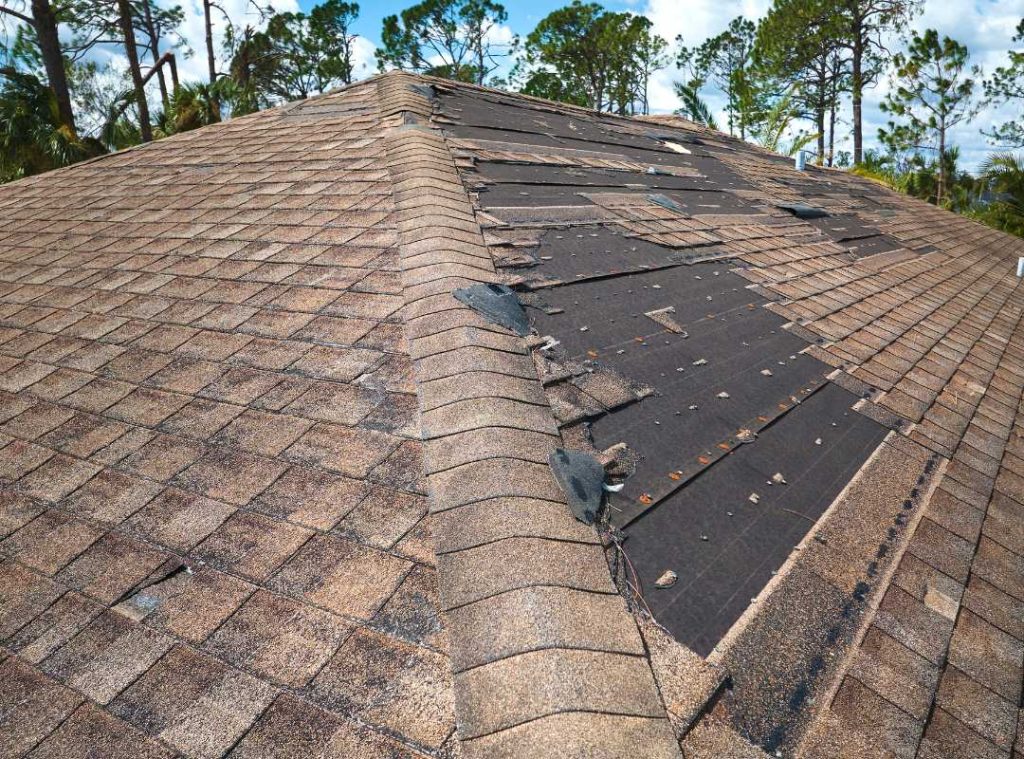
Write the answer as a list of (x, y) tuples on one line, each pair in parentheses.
[(546, 653)]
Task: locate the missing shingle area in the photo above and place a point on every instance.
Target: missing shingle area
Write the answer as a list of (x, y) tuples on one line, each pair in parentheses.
[(631, 296)]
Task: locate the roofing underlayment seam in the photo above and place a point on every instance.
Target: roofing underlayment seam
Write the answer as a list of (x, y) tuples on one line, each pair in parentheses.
[(544, 651)]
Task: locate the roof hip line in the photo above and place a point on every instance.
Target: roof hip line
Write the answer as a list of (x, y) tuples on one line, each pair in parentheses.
[(530, 684)]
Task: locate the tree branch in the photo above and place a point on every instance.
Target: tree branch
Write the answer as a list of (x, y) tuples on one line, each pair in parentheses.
[(20, 16)]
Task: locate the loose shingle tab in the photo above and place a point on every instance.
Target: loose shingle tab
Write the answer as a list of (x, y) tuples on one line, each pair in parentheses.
[(498, 303), (803, 211), (581, 478)]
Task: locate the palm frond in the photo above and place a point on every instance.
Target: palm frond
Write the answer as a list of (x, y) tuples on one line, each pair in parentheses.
[(32, 138), (694, 108)]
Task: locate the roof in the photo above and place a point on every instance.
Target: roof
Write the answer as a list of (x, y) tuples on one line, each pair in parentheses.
[(270, 489)]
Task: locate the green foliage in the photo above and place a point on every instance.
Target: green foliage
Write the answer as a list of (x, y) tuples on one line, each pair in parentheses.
[(296, 56), (725, 61), (601, 60), (32, 138), (446, 38), (1007, 86), (694, 108), (800, 43), (94, 24), (550, 86), (995, 197), (776, 122), (870, 25), (864, 28), (932, 92), (97, 90), (1003, 173), (195, 105)]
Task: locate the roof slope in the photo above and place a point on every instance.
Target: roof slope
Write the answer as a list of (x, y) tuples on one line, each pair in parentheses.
[(232, 370), (212, 494), (892, 314)]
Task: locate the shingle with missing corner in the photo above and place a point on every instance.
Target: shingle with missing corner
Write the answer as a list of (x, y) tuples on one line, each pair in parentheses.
[(498, 303), (665, 202), (803, 211), (581, 478)]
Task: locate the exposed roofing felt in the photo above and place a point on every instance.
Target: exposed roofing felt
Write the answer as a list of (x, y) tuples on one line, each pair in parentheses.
[(235, 379)]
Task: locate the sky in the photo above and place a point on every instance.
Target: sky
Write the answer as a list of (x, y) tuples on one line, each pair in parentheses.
[(985, 26)]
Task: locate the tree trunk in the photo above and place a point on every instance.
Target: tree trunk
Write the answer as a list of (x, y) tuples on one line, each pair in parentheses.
[(819, 121), (647, 92), (346, 75), (211, 60), (819, 115), (857, 87), (174, 70), (154, 49), (832, 132), (125, 11), (166, 58), (480, 58), (44, 20), (941, 189)]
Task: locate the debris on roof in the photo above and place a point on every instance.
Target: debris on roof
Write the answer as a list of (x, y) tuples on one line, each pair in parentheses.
[(498, 303)]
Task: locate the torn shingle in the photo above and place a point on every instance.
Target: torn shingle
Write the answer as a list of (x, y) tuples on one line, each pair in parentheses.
[(498, 304), (581, 478)]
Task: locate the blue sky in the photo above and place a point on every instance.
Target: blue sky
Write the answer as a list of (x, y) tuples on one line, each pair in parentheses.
[(522, 15)]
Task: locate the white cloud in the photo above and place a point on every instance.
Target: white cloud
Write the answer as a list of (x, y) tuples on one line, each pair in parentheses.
[(985, 26), (364, 63)]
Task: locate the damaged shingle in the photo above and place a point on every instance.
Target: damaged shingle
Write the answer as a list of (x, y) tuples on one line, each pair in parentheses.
[(664, 317), (665, 202), (581, 478), (803, 211), (498, 303)]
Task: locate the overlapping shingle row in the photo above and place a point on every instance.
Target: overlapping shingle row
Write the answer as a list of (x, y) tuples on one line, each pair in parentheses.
[(232, 369), (214, 527), (936, 339), (919, 311)]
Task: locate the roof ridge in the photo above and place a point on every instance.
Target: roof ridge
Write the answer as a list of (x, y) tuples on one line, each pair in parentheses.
[(515, 646)]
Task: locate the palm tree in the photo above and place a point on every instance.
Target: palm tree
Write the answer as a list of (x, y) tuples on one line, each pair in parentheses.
[(694, 108), (1004, 174), (33, 136), (776, 122), (195, 105)]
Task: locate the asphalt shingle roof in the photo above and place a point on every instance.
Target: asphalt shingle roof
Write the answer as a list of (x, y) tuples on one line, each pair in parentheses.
[(268, 489)]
